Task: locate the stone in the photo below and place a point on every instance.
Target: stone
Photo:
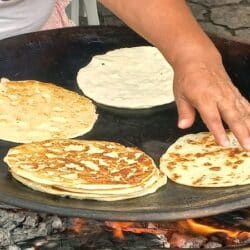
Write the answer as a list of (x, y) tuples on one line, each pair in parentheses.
[(215, 2), (13, 247), (198, 11), (216, 30), (212, 244), (5, 239), (9, 225), (243, 35), (231, 16), (57, 223), (31, 220), (6, 217)]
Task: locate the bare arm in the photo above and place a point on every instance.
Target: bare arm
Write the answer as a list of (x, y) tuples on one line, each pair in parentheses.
[(168, 24), (200, 82)]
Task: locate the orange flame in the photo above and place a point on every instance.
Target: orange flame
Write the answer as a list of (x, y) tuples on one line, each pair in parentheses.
[(188, 225), (206, 230), (120, 227)]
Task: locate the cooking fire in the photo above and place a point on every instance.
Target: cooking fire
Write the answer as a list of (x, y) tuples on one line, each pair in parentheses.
[(23, 229)]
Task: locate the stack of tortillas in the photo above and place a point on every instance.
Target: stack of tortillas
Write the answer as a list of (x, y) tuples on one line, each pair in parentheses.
[(196, 160), (36, 111), (137, 77), (81, 169)]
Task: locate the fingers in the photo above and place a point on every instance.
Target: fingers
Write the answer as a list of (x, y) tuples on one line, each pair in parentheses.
[(237, 116), (186, 113), (215, 97), (211, 117)]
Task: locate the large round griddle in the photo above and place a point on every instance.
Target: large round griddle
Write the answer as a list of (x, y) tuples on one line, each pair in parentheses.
[(56, 56)]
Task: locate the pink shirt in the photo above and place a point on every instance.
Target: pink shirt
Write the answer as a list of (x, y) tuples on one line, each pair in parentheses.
[(58, 18), (24, 16)]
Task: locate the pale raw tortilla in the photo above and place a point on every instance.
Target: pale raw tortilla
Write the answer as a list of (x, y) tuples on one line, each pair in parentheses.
[(35, 111), (196, 160), (135, 78), (85, 169)]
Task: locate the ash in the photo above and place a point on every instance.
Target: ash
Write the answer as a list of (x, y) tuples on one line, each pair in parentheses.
[(17, 226), (28, 230)]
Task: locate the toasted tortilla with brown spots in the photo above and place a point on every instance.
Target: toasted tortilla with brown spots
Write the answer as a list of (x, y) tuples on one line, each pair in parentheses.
[(83, 169), (196, 160)]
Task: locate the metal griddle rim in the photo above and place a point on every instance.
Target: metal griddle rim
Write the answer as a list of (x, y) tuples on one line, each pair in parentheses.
[(125, 216)]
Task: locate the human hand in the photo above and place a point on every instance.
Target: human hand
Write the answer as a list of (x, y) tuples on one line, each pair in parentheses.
[(202, 84)]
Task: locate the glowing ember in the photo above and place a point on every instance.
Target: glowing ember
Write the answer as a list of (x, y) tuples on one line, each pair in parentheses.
[(207, 230), (189, 226), (120, 227), (179, 233), (78, 224)]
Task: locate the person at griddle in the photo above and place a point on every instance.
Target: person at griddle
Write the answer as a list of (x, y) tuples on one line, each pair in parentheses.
[(201, 82)]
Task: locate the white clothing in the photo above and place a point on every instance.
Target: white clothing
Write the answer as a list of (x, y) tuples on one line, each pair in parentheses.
[(23, 16)]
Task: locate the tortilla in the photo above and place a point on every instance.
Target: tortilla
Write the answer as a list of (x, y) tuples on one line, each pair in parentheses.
[(35, 111), (88, 196), (85, 169), (133, 78), (196, 160)]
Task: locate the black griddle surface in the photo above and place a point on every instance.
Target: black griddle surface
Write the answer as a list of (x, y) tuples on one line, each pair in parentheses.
[(56, 56)]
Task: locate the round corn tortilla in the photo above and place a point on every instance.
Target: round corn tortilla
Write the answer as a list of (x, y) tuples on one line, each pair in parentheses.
[(85, 169), (134, 78), (196, 160), (88, 196), (35, 111)]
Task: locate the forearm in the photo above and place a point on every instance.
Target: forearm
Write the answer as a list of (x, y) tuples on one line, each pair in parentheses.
[(168, 24)]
